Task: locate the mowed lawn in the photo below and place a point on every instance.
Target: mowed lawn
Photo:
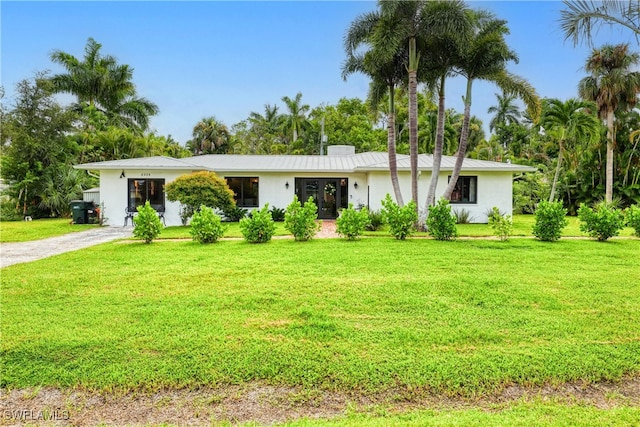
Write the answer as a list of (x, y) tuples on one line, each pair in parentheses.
[(459, 318), (23, 231)]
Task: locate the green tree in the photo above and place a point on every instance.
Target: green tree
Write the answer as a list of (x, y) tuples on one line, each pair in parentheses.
[(484, 56), (581, 17), (612, 86), (210, 136), (505, 113), (198, 189), (296, 120), (571, 121), (100, 82)]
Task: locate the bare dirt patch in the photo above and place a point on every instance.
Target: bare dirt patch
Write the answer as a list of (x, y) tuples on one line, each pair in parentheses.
[(265, 404)]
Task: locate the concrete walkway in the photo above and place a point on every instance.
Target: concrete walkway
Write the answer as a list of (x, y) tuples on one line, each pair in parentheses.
[(19, 252)]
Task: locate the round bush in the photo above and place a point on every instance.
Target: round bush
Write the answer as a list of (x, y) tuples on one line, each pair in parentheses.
[(206, 226), (259, 227), (551, 219), (441, 223)]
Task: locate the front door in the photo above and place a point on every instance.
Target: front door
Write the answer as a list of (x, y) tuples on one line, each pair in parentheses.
[(329, 194)]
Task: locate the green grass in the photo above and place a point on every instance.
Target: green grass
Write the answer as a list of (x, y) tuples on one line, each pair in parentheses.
[(464, 317), (24, 231), (233, 231), (536, 413)]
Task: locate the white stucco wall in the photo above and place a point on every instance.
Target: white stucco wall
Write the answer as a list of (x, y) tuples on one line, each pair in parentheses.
[(113, 193), (494, 189)]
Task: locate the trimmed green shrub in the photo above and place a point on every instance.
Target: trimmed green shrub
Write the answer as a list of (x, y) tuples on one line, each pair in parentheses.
[(206, 226), (633, 218), (551, 219), (300, 220), (351, 223), (401, 220), (277, 214), (147, 225), (376, 221), (259, 228), (200, 188), (441, 223), (602, 222), (234, 214), (501, 224)]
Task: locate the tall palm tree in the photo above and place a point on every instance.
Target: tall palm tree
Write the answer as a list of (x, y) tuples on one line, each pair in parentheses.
[(505, 113), (209, 137), (386, 75), (612, 86), (582, 16), (100, 83), (571, 121), (409, 24), (484, 56), (296, 121)]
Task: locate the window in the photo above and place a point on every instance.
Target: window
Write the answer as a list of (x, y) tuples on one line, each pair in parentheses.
[(245, 191), (466, 190), (141, 190)]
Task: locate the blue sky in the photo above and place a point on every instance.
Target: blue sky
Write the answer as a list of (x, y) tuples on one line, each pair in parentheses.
[(227, 59)]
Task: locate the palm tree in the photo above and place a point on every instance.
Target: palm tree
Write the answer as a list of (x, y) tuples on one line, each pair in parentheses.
[(100, 83), (386, 75), (409, 24), (582, 16), (506, 112), (571, 121), (612, 86), (295, 121), (209, 137), (484, 56)]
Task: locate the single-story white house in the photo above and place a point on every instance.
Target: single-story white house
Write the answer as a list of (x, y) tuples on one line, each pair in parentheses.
[(334, 180)]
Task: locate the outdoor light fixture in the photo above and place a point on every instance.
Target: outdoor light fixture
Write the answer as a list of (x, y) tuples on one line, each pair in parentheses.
[(286, 185), (122, 174), (355, 185)]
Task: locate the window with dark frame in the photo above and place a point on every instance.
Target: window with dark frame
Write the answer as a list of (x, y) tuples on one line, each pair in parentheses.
[(245, 191), (143, 190), (466, 190)]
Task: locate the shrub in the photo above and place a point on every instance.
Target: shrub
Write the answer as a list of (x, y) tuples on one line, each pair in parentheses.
[(633, 218), (8, 210), (147, 225), (300, 220), (259, 228), (206, 226), (602, 222), (463, 216), (277, 214), (234, 213), (441, 223), (376, 221), (351, 223), (551, 218), (401, 220), (197, 189), (501, 224)]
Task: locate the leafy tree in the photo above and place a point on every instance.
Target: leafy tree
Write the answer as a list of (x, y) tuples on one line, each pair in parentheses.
[(38, 149), (581, 17), (506, 112), (100, 82), (612, 86), (210, 136), (568, 122), (198, 189)]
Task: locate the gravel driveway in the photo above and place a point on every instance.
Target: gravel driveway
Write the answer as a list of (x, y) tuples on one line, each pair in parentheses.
[(18, 252)]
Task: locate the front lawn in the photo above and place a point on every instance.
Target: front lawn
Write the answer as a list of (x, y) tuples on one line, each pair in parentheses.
[(24, 231), (420, 316)]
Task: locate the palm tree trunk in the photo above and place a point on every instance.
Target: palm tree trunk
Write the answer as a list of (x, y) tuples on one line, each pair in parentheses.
[(391, 146), (557, 174), (462, 145), (413, 119), (610, 140), (437, 150)]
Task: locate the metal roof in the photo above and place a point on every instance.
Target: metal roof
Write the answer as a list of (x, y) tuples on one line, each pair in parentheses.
[(361, 162)]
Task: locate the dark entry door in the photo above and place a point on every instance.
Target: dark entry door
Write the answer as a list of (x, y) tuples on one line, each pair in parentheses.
[(329, 194)]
